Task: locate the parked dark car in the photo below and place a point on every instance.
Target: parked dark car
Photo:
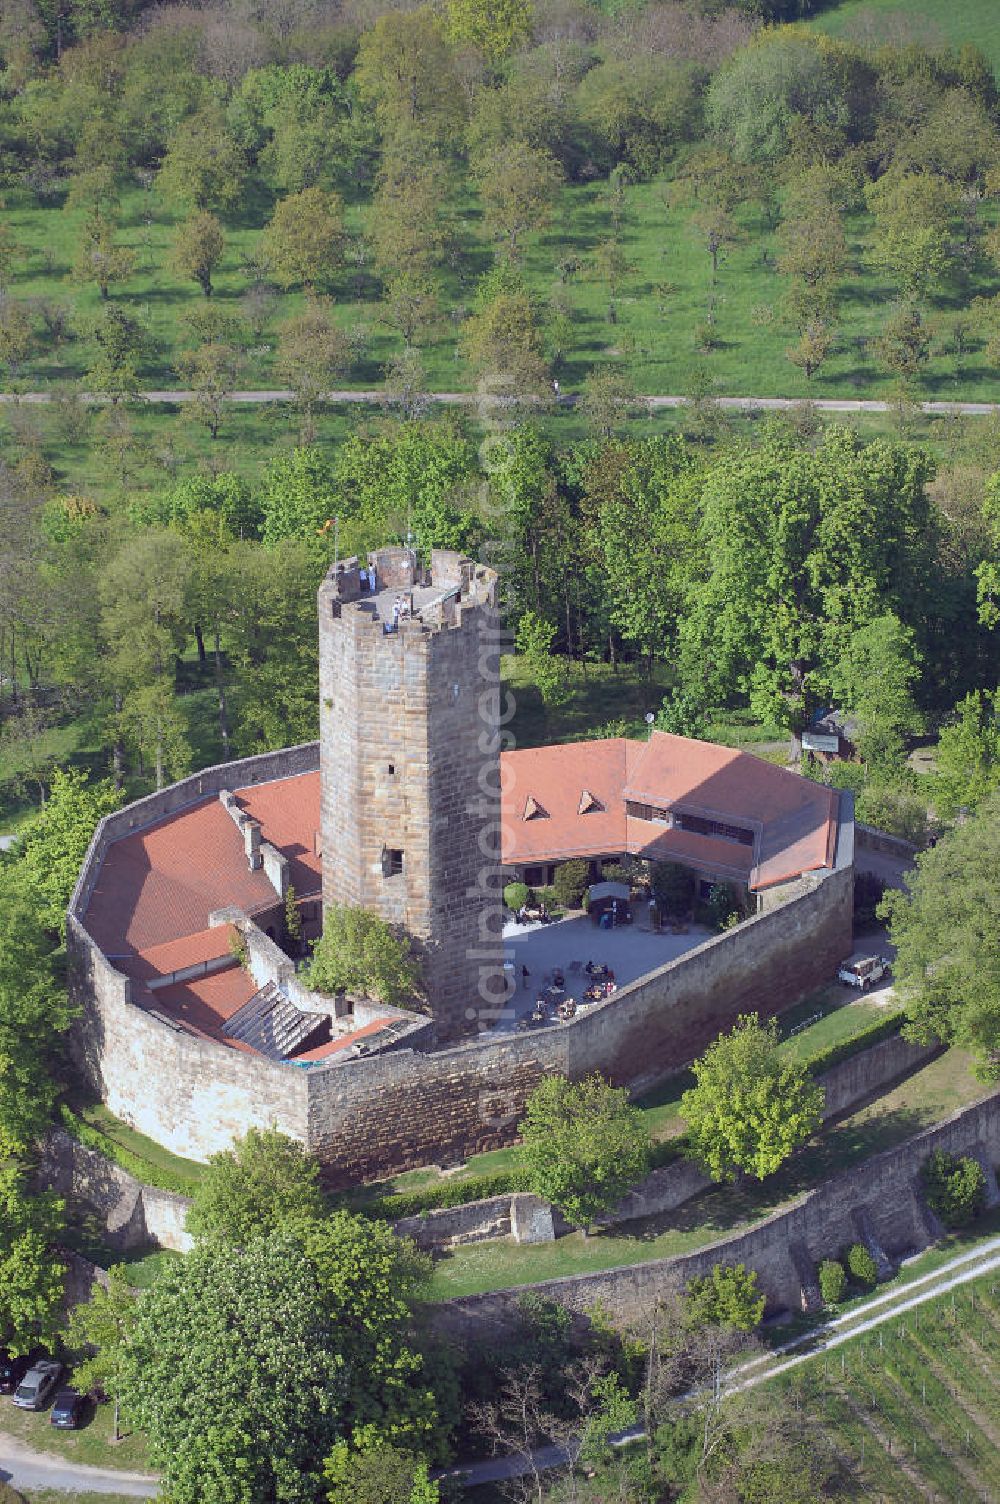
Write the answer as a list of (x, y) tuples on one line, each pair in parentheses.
[(67, 1412), (12, 1371), (37, 1385)]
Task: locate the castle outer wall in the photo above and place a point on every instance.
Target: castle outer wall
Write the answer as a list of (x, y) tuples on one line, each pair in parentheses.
[(373, 1116)]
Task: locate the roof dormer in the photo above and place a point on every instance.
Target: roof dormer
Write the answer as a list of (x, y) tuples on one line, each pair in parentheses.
[(589, 803), (533, 810)]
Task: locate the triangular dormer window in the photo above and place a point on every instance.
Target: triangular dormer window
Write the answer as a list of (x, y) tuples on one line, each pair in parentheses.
[(588, 802), (533, 810)]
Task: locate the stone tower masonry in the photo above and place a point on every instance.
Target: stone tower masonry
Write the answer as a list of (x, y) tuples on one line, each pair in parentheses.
[(409, 678)]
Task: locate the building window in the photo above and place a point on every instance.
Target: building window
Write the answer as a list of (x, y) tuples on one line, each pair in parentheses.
[(717, 828), (648, 812), (392, 862), (534, 877), (392, 769)]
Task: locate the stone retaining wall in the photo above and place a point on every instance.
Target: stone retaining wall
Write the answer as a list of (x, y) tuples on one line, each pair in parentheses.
[(132, 1215), (879, 1199)]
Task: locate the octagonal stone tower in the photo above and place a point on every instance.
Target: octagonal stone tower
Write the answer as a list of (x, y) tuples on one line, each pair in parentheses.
[(409, 673)]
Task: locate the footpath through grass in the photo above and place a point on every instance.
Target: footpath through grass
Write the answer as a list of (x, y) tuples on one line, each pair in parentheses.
[(918, 1102)]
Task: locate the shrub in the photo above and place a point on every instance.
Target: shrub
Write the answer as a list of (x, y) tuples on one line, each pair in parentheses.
[(516, 895), (571, 879), (672, 886), (861, 1265), (955, 1188), (583, 1145), (832, 1281), (359, 952), (727, 1297)]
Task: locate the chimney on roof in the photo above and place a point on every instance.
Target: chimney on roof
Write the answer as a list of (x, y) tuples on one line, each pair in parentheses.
[(251, 844)]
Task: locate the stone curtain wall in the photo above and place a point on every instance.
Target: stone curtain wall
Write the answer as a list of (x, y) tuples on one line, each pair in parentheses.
[(189, 1094), (374, 1116), (400, 1110), (880, 1198)]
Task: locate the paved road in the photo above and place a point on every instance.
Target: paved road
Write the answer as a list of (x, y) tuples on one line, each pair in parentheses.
[(25, 1468), (566, 399)]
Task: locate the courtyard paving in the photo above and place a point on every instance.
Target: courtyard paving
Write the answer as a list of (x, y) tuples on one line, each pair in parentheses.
[(631, 951)]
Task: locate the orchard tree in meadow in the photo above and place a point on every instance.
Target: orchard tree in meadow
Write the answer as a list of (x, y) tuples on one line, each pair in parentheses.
[(99, 260), (359, 952), (411, 303), (204, 167), (503, 340), (304, 242), (947, 967), (265, 1182), (751, 1106), (518, 185), (583, 1146), (313, 353), (120, 344), (913, 215), (406, 384), (812, 347), (904, 346), (16, 336), (12, 254), (198, 248), (212, 373), (406, 224), (406, 72)]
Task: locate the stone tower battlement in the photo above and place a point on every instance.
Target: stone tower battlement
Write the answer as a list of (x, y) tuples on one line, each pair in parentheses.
[(409, 668)]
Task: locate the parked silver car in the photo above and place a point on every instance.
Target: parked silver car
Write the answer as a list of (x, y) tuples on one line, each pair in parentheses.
[(37, 1384)]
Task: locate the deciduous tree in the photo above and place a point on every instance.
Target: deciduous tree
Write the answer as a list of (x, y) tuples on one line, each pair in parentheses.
[(198, 248), (751, 1105), (32, 1274), (518, 184), (359, 952), (265, 1182), (583, 1145), (304, 242)]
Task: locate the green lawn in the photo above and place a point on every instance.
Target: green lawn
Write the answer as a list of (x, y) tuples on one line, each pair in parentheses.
[(922, 1099), (92, 1444), (975, 21)]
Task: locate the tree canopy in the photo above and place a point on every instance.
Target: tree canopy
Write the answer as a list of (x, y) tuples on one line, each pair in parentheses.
[(947, 967), (751, 1105), (582, 1145), (265, 1182)]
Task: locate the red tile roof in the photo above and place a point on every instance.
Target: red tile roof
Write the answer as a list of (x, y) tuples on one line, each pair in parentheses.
[(793, 819), (341, 1042), (288, 811), (204, 1004)]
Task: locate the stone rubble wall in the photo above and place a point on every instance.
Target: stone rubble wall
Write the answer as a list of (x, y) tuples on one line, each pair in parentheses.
[(881, 1196)]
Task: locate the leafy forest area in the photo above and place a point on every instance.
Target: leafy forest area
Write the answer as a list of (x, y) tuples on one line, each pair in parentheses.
[(451, 249)]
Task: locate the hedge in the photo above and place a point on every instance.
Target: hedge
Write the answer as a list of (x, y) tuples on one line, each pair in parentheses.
[(144, 1170), (395, 1205), (834, 1054)]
